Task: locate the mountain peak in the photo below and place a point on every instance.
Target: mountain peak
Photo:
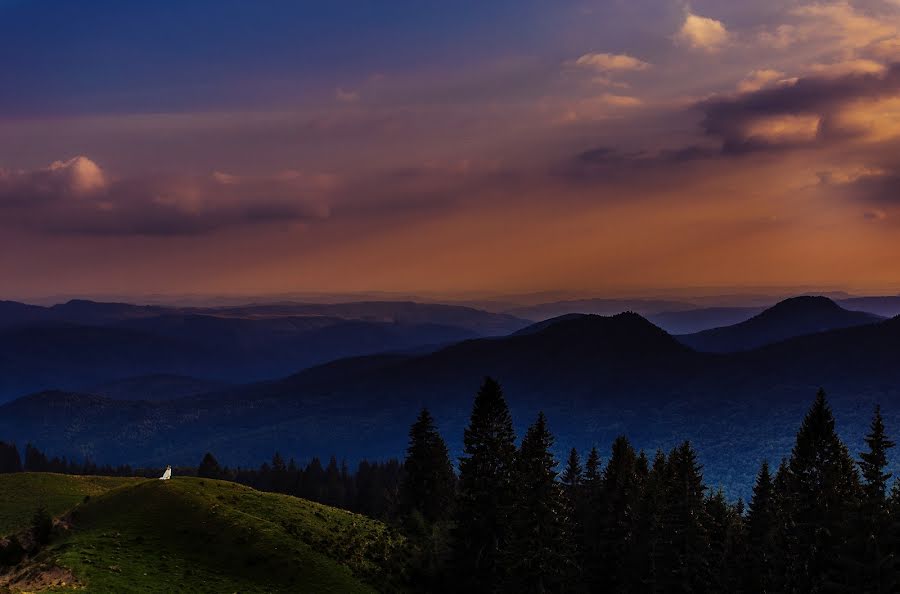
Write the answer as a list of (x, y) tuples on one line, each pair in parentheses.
[(797, 316), (806, 303), (625, 331)]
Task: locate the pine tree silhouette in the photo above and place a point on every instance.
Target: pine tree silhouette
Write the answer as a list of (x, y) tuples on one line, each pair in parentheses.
[(535, 555), (209, 467), (574, 510), (823, 494), (618, 522), (592, 503), (485, 491), (683, 563), (878, 565), (762, 530), (428, 481)]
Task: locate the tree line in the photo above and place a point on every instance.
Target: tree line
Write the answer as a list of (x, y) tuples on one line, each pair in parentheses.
[(513, 521), (509, 519)]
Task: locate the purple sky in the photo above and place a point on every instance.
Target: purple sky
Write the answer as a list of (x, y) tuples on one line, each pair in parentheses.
[(254, 147)]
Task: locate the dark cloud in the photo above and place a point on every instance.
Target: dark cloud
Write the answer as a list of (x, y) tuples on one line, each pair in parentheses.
[(733, 119), (876, 189)]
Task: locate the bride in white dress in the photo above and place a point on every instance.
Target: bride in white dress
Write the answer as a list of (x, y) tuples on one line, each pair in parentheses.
[(167, 474)]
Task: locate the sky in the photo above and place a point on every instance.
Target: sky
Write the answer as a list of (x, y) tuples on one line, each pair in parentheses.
[(594, 147)]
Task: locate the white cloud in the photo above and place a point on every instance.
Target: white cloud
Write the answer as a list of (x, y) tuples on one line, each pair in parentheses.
[(702, 33), (82, 175), (604, 62), (759, 79)]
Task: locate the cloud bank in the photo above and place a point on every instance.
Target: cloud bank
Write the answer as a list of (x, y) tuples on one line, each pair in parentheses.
[(76, 196)]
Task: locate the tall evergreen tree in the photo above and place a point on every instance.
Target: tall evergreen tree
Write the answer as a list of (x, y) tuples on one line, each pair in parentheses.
[(10, 461), (762, 530), (571, 479), (618, 522), (875, 546), (485, 491), (822, 499), (428, 479), (724, 533), (873, 464), (35, 460), (648, 533), (535, 555), (592, 506), (683, 565), (209, 467), (575, 508)]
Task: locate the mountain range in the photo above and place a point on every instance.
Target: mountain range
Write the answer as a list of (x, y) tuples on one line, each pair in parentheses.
[(594, 376), (80, 344)]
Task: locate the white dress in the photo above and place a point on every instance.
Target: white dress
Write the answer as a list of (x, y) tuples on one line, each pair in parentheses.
[(167, 474)]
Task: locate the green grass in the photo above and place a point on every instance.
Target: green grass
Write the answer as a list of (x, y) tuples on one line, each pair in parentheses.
[(199, 535), (21, 494)]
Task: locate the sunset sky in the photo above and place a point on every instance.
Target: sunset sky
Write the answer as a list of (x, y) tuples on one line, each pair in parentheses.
[(238, 147)]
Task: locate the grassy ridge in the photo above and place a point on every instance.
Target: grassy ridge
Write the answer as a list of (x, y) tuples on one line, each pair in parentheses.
[(197, 535), (22, 493)]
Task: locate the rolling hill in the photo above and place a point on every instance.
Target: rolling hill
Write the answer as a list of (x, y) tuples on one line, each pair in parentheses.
[(793, 317), (156, 387), (201, 535)]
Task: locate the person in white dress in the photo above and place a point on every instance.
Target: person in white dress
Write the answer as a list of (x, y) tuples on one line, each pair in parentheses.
[(167, 474)]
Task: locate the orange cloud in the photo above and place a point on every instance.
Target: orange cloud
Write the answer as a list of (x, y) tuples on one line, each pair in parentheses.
[(702, 33)]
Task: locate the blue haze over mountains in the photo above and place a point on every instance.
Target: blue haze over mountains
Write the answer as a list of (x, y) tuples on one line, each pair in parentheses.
[(155, 385)]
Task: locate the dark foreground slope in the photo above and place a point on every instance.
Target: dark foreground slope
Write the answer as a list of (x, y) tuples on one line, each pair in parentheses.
[(595, 377), (196, 535)]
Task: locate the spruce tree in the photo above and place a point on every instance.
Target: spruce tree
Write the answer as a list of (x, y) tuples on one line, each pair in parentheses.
[(35, 460), (485, 491), (428, 479), (9, 458), (535, 555), (762, 530), (823, 498), (724, 538), (683, 565), (873, 464), (648, 533), (618, 523), (592, 472), (875, 547), (571, 478), (574, 508), (591, 551), (209, 467)]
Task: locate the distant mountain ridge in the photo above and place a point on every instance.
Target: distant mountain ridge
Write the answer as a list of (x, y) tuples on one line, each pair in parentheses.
[(80, 344), (797, 316)]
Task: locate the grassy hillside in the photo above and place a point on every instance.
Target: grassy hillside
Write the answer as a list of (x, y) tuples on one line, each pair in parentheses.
[(21, 494), (197, 535)]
